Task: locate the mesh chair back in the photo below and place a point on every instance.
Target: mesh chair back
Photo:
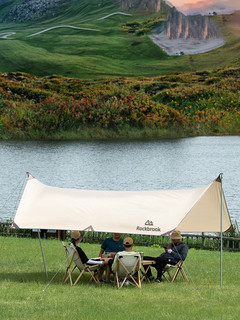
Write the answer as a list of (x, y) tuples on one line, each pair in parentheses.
[(76, 259), (131, 264)]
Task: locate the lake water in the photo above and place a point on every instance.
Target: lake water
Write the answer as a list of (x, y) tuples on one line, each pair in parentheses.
[(124, 165)]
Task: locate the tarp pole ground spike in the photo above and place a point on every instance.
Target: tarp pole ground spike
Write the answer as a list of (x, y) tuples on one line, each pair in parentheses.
[(42, 254), (221, 229)]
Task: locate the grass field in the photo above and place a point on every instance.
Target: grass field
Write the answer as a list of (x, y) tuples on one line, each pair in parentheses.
[(103, 53), (25, 292)]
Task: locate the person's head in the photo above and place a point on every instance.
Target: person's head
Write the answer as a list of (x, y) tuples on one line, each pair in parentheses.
[(75, 236), (176, 236), (116, 236), (128, 243)]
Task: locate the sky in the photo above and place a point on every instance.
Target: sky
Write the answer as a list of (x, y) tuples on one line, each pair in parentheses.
[(190, 5)]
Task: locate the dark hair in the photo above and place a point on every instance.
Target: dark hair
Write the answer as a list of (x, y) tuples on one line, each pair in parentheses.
[(73, 241)]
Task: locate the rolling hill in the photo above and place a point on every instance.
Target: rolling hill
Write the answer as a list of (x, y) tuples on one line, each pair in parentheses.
[(88, 39)]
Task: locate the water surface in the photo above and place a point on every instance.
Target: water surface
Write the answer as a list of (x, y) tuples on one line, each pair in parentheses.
[(111, 165)]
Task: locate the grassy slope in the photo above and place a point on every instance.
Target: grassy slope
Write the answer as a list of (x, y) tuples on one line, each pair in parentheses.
[(90, 54), (23, 281)]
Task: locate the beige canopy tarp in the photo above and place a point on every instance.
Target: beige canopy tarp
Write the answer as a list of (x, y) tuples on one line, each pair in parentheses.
[(134, 212)]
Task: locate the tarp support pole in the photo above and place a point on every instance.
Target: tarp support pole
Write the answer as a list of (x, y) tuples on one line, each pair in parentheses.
[(42, 254), (221, 229)]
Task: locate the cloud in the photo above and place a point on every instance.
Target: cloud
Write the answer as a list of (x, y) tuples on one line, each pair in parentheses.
[(188, 6)]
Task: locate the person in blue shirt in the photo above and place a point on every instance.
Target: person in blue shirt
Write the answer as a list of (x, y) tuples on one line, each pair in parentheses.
[(112, 245)]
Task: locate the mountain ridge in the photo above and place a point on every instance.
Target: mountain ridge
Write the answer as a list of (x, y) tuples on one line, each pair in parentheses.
[(27, 10)]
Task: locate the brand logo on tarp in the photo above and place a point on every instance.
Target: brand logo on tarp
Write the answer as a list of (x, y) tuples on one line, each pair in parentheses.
[(148, 223), (148, 227)]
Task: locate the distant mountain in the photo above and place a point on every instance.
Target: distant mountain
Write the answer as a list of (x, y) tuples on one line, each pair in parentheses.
[(91, 38), (32, 9), (26, 10), (146, 5), (177, 26)]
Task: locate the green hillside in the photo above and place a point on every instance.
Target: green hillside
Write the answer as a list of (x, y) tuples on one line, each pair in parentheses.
[(105, 50), (175, 105)]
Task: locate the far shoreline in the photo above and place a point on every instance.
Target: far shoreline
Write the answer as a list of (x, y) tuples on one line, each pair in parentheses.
[(127, 134)]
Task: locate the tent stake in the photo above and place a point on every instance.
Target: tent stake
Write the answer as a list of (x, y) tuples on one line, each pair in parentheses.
[(221, 228), (42, 254)]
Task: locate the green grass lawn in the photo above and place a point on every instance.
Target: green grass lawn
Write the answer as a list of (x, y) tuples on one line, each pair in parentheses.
[(25, 292)]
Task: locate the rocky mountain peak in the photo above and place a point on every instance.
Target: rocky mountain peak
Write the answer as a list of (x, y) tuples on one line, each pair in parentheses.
[(32, 9), (146, 5), (198, 27)]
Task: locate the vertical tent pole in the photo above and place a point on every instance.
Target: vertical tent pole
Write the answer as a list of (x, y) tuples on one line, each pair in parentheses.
[(42, 254), (221, 230)]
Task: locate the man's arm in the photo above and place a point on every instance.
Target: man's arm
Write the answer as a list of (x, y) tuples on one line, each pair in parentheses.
[(183, 252), (101, 252), (180, 252), (103, 247)]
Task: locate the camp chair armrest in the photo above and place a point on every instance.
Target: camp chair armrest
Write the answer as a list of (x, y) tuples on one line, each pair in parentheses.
[(92, 266)]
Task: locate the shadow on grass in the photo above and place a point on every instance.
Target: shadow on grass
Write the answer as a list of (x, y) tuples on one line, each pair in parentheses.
[(39, 277)]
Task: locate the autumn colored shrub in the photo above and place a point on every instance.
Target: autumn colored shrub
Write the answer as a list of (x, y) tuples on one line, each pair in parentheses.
[(40, 107)]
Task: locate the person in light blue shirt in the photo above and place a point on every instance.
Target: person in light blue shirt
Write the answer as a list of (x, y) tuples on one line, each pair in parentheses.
[(128, 246), (112, 245)]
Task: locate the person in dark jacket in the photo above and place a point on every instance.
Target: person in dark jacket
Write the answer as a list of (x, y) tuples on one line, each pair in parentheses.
[(175, 252), (75, 239)]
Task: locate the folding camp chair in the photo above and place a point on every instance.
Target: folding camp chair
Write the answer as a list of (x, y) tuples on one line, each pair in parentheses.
[(177, 267), (72, 258), (127, 270), (147, 264)]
